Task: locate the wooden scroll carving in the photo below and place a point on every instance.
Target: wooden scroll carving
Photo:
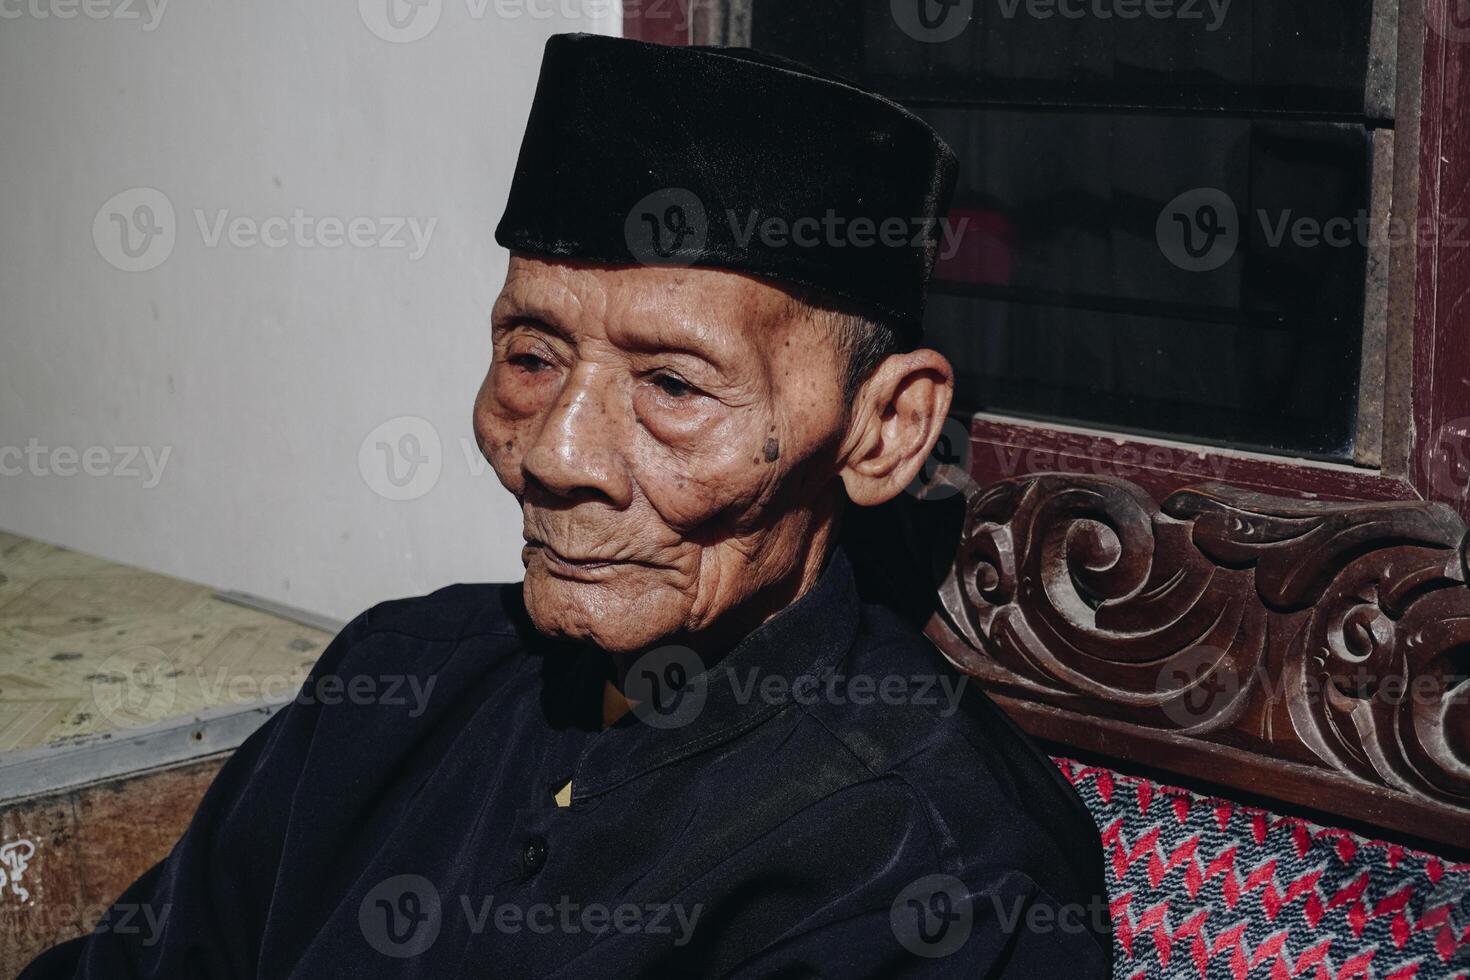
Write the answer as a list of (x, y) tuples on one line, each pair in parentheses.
[(1312, 653)]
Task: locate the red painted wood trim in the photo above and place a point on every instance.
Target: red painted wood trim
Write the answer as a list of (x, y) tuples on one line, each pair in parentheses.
[(1440, 465), (1003, 448), (657, 21)]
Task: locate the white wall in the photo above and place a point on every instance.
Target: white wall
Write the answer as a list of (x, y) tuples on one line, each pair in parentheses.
[(260, 371)]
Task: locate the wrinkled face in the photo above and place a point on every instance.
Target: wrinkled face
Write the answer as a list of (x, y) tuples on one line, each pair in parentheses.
[(672, 437)]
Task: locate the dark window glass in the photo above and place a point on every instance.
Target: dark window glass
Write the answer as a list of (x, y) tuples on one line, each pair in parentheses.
[(1161, 223)]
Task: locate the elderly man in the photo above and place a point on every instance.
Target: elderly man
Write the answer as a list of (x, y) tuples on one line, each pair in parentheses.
[(684, 746)]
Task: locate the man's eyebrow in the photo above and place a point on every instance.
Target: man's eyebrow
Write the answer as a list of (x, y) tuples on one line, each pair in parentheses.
[(510, 312), (641, 336), (693, 337), (668, 342)]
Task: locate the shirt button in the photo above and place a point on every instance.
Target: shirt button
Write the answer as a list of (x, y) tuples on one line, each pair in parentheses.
[(533, 854)]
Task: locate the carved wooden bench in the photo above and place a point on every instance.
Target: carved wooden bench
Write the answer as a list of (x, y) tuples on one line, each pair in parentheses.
[(1303, 655)]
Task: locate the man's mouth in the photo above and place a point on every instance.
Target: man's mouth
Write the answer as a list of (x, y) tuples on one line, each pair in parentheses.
[(567, 566)]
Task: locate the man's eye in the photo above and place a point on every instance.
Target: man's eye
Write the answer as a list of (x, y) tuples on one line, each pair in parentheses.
[(673, 386), (528, 362)]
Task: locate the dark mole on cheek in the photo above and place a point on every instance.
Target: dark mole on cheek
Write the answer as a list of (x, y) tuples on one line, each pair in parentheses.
[(772, 450), (509, 445)]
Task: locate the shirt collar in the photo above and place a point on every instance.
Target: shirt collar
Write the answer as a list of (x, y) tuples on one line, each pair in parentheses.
[(807, 639)]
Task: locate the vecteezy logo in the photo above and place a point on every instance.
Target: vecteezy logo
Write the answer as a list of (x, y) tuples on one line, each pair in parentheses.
[(933, 916), (1447, 460), (1450, 19), (400, 21), (932, 21), (1198, 687), (952, 450), (1198, 230), (668, 227), (136, 686), (135, 229), (401, 917), (402, 458), (667, 687)]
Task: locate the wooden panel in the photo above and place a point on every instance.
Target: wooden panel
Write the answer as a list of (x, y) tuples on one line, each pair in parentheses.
[(1002, 448), (1308, 652), (41, 900), (1440, 465), (657, 21), (77, 851)]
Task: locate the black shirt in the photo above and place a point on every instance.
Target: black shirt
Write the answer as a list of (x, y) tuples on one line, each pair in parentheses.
[(818, 803)]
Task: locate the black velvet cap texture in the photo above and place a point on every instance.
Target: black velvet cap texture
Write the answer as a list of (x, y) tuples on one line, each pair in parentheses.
[(729, 158)]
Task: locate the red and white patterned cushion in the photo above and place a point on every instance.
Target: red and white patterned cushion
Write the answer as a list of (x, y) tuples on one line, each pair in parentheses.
[(1204, 887)]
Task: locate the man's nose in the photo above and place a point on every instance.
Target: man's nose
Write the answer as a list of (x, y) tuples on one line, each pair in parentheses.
[(579, 447)]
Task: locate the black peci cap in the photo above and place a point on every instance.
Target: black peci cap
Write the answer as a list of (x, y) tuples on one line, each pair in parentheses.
[(729, 158)]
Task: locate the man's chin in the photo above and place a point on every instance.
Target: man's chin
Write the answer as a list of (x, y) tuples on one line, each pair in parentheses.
[(619, 616)]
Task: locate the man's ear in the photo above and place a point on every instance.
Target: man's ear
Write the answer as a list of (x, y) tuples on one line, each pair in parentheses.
[(897, 417)]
